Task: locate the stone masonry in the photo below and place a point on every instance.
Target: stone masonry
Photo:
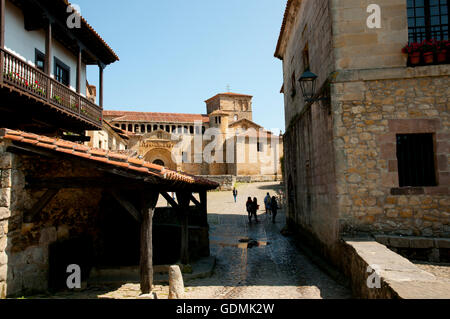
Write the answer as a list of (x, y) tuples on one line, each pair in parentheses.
[(368, 115), (5, 198)]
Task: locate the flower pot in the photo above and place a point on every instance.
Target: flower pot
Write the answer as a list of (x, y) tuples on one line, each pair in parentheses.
[(442, 56), (414, 58), (428, 57)]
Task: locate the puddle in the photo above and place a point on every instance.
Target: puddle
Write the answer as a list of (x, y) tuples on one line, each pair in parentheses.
[(244, 243)]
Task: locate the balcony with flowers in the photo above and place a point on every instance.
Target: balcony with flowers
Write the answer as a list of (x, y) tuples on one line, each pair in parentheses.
[(428, 52)]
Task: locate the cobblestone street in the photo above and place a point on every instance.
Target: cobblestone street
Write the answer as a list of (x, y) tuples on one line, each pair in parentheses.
[(273, 269)]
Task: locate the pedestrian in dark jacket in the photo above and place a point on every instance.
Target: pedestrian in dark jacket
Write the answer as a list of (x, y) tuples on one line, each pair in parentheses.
[(255, 208), (235, 194), (274, 207), (249, 206)]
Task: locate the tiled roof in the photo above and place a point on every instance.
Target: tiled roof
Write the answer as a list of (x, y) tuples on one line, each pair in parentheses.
[(114, 159), (153, 117), (91, 29), (228, 94)]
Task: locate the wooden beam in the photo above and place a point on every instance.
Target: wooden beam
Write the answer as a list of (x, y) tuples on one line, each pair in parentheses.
[(2, 36), (40, 205), (183, 201), (100, 103), (204, 205), (79, 62), (2, 24), (149, 201), (195, 201), (48, 49), (127, 205), (169, 199)]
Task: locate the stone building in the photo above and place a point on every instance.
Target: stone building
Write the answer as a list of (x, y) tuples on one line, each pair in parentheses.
[(63, 203), (109, 138), (241, 148), (370, 154)]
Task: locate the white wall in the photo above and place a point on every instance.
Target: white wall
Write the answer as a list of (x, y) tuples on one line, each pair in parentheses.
[(23, 43)]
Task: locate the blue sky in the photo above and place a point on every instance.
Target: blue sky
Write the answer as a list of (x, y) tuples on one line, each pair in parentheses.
[(175, 54)]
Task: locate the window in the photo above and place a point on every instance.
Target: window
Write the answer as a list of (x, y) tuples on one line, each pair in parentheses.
[(416, 160), (40, 60), (235, 118), (305, 56), (62, 72), (428, 19), (293, 90), (259, 147)]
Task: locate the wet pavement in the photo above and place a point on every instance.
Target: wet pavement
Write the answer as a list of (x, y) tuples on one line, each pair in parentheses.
[(254, 260)]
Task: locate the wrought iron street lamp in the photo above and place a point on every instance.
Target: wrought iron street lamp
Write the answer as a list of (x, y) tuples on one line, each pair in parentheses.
[(308, 85)]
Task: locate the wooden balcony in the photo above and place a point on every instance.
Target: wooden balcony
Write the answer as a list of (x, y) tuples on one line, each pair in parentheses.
[(32, 86)]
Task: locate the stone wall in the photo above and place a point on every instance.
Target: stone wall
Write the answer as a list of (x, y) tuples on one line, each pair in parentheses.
[(398, 277), (367, 116), (5, 213), (312, 27), (310, 177), (70, 214), (358, 47)]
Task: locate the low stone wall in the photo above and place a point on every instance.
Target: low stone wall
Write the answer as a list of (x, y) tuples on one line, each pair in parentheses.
[(398, 277), (418, 248), (227, 182)]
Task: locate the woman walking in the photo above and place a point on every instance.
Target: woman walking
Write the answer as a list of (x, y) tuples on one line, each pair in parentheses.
[(274, 207), (249, 206), (255, 208)]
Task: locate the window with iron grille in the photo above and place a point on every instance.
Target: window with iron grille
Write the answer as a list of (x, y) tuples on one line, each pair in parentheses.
[(416, 160), (428, 19)]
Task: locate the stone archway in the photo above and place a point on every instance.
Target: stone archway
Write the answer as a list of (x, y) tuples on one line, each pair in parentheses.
[(160, 155)]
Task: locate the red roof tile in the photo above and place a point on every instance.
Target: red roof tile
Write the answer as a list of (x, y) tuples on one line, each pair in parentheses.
[(153, 117), (111, 158)]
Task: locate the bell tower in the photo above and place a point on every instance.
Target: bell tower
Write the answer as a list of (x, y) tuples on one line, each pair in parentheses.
[(238, 106)]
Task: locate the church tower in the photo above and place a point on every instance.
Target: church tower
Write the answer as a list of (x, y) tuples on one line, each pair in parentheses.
[(238, 106)]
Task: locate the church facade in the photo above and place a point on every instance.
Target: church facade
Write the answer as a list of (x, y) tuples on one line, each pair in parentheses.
[(224, 141)]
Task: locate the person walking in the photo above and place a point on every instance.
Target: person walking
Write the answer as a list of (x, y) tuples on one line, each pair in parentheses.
[(274, 207), (235, 194), (267, 201), (255, 207), (249, 206)]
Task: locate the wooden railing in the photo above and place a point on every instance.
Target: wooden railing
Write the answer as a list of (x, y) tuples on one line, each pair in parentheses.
[(18, 73)]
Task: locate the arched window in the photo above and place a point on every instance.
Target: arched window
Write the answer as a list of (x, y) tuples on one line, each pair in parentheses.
[(159, 162)]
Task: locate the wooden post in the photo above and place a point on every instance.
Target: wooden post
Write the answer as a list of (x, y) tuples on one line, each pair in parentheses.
[(48, 49), (100, 99), (183, 204), (204, 205), (79, 71), (48, 59), (149, 202), (2, 36)]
